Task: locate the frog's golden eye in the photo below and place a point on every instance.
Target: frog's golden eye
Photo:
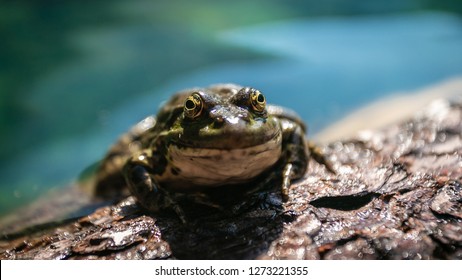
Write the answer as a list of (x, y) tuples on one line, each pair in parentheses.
[(258, 101), (193, 106)]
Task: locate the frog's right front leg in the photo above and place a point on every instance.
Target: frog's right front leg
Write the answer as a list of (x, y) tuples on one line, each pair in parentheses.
[(139, 174)]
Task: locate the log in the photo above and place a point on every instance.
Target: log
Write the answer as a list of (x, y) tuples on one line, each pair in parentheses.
[(397, 195)]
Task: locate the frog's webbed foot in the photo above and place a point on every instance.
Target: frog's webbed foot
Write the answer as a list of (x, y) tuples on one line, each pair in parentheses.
[(319, 157), (146, 189)]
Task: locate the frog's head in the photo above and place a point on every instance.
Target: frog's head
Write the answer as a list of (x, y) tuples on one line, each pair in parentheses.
[(224, 135), (228, 119)]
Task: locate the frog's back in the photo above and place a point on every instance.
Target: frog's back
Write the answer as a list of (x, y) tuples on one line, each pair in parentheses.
[(109, 178)]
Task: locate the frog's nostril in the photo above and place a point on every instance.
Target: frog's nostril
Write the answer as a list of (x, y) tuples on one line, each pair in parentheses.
[(218, 122)]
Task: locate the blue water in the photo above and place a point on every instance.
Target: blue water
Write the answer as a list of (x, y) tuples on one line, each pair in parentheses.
[(322, 68)]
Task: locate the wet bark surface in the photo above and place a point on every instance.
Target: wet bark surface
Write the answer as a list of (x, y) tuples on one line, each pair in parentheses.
[(397, 194)]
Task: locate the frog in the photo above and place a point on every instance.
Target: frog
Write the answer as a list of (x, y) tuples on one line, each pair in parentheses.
[(207, 138)]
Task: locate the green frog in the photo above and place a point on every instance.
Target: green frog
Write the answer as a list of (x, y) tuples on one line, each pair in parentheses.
[(221, 136)]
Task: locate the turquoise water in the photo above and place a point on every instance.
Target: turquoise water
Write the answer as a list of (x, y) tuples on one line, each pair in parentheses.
[(73, 81)]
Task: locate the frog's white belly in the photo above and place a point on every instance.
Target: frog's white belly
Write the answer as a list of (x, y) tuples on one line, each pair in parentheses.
[(218, 167)]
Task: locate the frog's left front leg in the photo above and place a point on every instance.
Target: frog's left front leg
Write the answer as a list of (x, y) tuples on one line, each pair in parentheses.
[(294, 153), (139, 174)]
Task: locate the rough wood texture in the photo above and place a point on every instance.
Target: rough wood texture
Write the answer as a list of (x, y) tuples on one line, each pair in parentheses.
[(397, 195)]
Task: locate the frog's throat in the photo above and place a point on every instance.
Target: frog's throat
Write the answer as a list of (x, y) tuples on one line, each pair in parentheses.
[(215, 167)]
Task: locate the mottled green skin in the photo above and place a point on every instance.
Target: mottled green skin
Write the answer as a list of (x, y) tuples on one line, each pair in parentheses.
[(228, 143)]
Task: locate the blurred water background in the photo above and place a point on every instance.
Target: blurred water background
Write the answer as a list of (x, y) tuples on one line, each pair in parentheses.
[(76, 74)]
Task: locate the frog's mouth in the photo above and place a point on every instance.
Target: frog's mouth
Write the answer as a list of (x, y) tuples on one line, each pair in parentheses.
[(211, 167), (237, 135)]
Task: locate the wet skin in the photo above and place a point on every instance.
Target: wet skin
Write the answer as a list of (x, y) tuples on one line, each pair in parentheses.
[(202, 139)]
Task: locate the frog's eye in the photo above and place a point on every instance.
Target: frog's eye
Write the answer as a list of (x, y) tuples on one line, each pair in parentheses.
[(258, 101), (193, 106)]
